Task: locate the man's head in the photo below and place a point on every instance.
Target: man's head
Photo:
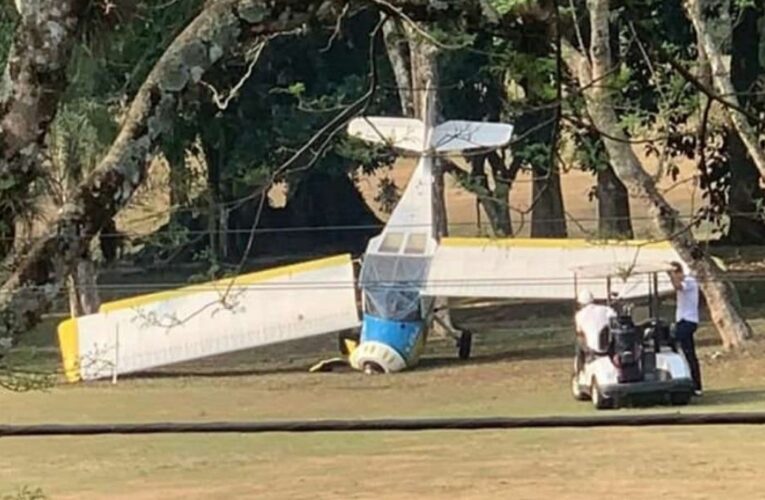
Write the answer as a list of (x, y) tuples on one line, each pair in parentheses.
[(677, 269), (585, 298)]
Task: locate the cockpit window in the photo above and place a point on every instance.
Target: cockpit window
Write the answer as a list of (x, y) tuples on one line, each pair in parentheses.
[(415, 244), (392, 242)]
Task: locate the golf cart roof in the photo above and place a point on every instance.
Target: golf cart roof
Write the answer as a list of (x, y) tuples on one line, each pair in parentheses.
[(620, 270)]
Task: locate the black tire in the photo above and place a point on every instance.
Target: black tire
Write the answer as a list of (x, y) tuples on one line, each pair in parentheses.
[(599, 401), (465, 344), (372, 368), (680, 398)]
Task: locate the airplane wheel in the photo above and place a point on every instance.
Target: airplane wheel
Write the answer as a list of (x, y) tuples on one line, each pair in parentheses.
[(372, 368), (465, 344)]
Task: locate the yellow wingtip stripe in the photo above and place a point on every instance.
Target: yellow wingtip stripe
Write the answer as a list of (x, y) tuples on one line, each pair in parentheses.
[(69, 345), (568, 243), (245, 279)]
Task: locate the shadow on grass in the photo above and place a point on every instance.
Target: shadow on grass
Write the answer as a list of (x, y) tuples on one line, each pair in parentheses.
[(524, 354), (724, 397)]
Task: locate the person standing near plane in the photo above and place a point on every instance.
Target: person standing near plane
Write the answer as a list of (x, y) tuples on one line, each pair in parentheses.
[(687, 318)]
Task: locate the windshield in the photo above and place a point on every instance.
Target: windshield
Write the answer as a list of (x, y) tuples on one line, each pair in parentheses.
[(392, 285)]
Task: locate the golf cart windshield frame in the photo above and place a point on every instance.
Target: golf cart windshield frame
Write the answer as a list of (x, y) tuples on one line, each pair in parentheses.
[(609, 274)]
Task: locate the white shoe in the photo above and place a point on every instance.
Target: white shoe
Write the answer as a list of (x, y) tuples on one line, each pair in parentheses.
[(697, 393)]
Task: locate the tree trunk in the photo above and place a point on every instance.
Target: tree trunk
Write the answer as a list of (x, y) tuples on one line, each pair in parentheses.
[(397, 48), (548, 219), (504, 177), (493, 202), (731, 326), (425, 81), (83, 289), (614, 220), (33, 82), (179, 187), (711, 20)]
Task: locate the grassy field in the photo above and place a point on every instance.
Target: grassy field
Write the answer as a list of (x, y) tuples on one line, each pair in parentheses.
[(519, 368)]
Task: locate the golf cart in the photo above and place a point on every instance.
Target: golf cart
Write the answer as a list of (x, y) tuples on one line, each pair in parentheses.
[(633, 361)]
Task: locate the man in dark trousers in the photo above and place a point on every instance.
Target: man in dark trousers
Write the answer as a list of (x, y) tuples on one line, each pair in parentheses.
[(687, 318)]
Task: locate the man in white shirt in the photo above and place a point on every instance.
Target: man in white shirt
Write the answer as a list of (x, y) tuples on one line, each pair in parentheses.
[(687, 318), (591, 320)]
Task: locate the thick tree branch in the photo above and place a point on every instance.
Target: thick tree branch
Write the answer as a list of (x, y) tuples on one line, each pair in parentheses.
[(33, 82)]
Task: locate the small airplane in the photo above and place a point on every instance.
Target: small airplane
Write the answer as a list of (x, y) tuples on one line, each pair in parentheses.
[(405, 271)]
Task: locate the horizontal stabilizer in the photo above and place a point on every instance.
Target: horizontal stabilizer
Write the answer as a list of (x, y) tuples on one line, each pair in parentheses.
[(409, 134), (402, 133), (252, 310), (455, 136)]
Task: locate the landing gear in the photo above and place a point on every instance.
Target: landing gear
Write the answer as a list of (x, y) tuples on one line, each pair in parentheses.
[(372, 368), (465, 344)]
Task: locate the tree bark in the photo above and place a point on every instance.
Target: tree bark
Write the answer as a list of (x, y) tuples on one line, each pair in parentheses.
[(731, 326), (548, 218), (397, 48), (425, 82), (83, 289), (38, 273), (33, 82), (504, 177), (614, 219), (711, 20)]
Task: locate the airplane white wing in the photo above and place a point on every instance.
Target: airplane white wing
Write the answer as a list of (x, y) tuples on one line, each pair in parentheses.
[(262, 308), (458, 135), (549, 269), (401, 133)]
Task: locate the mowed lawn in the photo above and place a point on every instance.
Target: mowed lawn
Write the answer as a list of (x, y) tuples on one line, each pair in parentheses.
[(520, 371)]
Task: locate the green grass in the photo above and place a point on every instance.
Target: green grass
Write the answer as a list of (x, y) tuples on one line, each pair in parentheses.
[(519, 368)]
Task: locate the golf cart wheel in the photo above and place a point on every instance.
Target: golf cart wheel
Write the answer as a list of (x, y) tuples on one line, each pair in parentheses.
[(576, 390), (599, 401), (465, 344), (680, 398)]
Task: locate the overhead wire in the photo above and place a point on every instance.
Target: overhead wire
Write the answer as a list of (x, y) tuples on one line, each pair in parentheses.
[(364, 227)]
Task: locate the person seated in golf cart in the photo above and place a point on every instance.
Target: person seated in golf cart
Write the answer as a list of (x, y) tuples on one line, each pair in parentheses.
[(592, 323)]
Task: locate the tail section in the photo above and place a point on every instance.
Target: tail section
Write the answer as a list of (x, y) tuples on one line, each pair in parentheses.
[(409, 134)]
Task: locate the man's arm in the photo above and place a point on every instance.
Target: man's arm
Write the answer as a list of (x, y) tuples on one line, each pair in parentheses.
[(677, 281)]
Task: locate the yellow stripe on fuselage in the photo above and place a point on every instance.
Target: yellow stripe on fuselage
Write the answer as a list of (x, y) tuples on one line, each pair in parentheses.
[(562, 243)]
